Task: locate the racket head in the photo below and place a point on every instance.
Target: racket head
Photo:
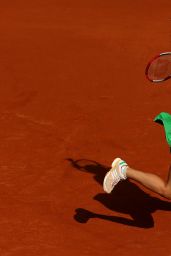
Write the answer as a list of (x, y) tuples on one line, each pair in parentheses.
[(159, 68)]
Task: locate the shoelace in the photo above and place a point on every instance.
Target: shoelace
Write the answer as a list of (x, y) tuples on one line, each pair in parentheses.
[(116, 177)]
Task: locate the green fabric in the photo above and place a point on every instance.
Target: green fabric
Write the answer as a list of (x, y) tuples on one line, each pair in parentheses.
[(165, 119)]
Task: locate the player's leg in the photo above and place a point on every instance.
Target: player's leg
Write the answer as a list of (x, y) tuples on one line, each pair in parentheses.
[(120, 171), (151, 181), (168, 184)]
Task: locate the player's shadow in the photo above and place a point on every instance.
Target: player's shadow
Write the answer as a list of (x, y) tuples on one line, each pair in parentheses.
[(126, 198)]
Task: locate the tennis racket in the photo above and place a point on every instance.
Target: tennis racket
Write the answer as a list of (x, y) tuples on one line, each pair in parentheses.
[(159, 68)]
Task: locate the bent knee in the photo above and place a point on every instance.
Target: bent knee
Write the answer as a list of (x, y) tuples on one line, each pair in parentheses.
[(167, 193)]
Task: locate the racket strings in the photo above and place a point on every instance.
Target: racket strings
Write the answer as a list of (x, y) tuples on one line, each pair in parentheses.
[(160, 68)]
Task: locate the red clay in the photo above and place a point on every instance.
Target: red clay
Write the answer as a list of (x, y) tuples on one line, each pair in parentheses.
[(72, 87)]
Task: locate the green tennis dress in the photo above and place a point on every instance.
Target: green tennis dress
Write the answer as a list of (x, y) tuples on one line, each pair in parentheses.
[(165, 119)]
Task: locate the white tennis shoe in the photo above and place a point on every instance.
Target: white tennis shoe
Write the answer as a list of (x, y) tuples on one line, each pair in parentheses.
[(116, 173)]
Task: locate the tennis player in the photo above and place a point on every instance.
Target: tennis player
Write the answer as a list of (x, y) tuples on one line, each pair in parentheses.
[(121, 171)]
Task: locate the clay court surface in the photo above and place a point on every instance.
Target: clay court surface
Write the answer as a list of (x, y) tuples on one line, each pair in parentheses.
[(73, 96)]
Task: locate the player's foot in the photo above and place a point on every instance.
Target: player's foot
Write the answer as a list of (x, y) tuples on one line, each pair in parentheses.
[(116, 173)]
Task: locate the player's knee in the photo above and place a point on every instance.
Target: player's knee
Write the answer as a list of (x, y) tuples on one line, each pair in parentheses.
[(167, 193)]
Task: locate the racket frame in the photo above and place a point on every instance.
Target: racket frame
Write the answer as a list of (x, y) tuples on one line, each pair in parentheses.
[(149, 64)]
